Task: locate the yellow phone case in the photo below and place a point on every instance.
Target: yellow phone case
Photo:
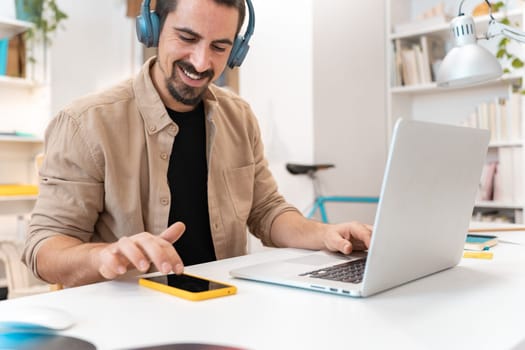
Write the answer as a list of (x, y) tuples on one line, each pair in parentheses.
[(194, 296)]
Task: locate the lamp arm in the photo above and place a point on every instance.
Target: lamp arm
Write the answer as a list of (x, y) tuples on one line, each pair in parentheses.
[(496, 28)]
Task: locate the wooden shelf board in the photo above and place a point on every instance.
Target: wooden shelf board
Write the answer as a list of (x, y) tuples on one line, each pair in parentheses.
[(11, 27)]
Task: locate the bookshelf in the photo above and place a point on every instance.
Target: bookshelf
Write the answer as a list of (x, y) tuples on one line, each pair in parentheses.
[(24, 112), (414, 50)]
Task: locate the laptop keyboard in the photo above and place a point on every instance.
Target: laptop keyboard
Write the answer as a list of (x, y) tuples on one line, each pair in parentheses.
[(351, 272)]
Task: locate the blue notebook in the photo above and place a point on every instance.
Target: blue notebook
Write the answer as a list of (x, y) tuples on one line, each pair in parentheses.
[(480, 242)]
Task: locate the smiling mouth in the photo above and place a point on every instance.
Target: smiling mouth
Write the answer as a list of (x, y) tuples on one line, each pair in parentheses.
[(192, 74)]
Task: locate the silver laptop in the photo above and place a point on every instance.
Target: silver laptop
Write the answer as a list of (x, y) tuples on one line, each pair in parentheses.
[(426, 201)]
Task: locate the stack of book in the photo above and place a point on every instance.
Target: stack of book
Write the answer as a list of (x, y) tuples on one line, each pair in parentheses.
[(18, 190), (416, 60), (501, 116), (502, 177)]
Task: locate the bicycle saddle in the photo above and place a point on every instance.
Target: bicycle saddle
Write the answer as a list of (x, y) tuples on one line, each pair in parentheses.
[(297, 169)]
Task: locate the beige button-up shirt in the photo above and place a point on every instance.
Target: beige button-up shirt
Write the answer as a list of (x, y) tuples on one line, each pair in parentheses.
[(106, 161)]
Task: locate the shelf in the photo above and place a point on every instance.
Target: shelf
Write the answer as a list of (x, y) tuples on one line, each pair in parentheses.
[(16, 205), (443, 29), (17, 82), (18, 198), (414, 89), (11, 27), (496, 205), (506, 144), (22, 139), (433, 88)]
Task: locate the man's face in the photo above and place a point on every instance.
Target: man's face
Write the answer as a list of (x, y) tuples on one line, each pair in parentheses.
[(194, 46)]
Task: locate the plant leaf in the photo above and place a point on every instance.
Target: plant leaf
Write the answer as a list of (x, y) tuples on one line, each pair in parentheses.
[(517, 63)]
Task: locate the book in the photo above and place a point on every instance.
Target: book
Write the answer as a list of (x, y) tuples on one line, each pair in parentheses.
[(480, 242), (18, 190), (486, 186), (410, 70), (398, 47), (504, 177), (517, 176), (426, 72), (514, 117)]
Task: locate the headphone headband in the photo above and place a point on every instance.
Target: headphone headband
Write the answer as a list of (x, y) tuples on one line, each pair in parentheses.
[(148, 31)]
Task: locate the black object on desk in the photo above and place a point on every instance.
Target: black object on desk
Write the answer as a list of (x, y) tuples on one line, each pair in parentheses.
[(188, 346), (42, 341)]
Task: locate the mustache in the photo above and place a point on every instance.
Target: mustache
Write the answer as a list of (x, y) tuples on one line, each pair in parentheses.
[(191, 69)]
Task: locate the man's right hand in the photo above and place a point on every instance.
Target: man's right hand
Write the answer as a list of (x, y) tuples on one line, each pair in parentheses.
[(140, 251)]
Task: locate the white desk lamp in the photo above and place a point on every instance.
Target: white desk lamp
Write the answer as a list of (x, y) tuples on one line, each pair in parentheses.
[(469, 63)]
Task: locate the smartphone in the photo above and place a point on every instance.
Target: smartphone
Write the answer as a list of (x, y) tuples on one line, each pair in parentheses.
[(188, 286)]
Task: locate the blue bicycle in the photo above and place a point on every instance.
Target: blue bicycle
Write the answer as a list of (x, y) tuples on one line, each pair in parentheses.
[(320, 200)]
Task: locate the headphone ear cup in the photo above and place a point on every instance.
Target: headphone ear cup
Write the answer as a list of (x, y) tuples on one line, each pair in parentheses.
[(155, 28), (238, 52), (148, 29), (142, 29)]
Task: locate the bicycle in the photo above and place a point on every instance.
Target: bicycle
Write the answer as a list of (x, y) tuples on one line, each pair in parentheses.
[(320, 199)]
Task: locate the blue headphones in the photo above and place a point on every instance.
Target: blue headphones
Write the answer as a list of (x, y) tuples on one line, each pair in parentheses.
[(148, 31)]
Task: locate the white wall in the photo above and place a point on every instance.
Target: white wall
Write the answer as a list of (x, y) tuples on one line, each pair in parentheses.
[(350, 101), (277, 80), (317, 84), (96, 49)]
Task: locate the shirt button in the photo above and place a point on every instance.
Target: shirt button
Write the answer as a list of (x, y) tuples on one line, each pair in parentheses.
[(152, 128), (164, 155), (164, 201), (216, 226), (172, 130)]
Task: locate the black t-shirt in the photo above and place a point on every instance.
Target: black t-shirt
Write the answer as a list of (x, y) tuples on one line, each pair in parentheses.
[(188, 182)]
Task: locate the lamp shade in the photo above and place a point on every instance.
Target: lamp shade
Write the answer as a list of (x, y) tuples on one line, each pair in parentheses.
[(467, 63)]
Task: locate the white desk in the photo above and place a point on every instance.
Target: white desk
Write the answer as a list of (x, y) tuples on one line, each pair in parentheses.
[(479, 304)]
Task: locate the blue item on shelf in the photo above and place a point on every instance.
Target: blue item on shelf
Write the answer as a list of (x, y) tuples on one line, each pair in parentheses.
[(27, 11), (4, 46)]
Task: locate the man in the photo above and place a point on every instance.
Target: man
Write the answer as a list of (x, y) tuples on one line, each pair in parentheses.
[(128, 170)]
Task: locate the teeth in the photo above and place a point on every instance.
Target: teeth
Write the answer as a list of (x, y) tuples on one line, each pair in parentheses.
[(191, 75)]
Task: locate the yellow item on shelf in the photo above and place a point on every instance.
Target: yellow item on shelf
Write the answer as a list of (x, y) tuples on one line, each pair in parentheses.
[(18, 190), (481, 10), (478, 255)]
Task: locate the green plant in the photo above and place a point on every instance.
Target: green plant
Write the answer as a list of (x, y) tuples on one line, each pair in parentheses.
[(508, 60), (44, 14)]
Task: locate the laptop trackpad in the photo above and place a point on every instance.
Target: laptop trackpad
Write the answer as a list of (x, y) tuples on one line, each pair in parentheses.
[(316, 259)]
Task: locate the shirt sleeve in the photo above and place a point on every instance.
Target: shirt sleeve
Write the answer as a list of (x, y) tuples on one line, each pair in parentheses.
[(268, 203), (71, 190)]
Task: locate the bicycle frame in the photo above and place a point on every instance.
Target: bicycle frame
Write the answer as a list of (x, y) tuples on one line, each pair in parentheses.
[(321, 200)]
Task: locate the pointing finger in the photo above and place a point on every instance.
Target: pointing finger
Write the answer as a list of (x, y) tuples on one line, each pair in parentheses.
[(173, 233)]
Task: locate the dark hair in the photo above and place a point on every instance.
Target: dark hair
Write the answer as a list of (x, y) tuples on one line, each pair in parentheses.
[(164, 7)]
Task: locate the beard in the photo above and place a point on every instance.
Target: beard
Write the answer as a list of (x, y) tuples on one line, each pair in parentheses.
[(188, 95)]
